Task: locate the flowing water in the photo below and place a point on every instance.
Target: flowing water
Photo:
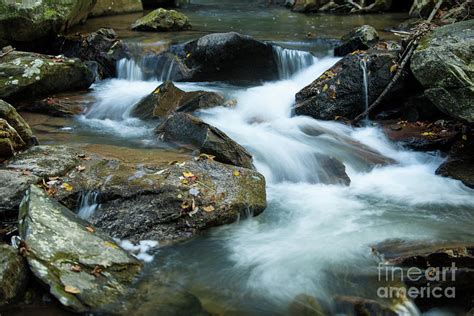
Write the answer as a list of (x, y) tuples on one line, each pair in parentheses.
[(313, 238), (365, 87)]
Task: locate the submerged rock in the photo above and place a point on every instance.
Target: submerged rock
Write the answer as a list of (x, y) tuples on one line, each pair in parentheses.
[(113, 7), (350, 305), (102, 46), (84, 269), (26, 21), (360, 38), (13, 275), (24, 75), (443, 64), (162, 20), (460, 164), (185, 129), (166, 203), (229, 57), (167, 99), (306, 305), (339, 92)]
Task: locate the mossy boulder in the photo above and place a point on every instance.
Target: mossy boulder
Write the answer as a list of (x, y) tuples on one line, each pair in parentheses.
[(24, 75), (113, 7), (444, 65), (360, 38), (167, 99), (165, 202), (162, 20), (9, 114), (13, 275), (83, 268), (187, 130), (26, 21)]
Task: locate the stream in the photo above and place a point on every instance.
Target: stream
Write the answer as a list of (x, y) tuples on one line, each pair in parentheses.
[(313, 238)]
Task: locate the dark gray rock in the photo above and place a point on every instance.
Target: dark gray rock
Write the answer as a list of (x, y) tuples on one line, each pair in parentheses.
[(443, 64), (167, 99), (15, 184), (13, 275), (360, 38), (185, 129), (339, 91), (83, 268)]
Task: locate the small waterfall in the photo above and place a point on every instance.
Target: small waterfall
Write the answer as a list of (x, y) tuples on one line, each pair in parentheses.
[(365, 87), (167, 70), (129, 69), (88, 204), (291, 61)]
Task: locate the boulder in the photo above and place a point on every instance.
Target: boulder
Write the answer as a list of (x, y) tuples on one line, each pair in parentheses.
[(22, 22), (24, 75), (9, 114), (167, 99), (443, 64), (162, 20), (102, 46), (83, 268), (460, 162), (15, 185), (360, 38), (229, 57), (340, 91), (163, 202), (13, 275), (306, 305), (113, 7), (45, 161), (10, 141), (185, 129)]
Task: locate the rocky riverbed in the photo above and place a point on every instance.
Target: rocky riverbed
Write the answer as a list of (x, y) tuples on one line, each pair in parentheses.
[(236, 157)]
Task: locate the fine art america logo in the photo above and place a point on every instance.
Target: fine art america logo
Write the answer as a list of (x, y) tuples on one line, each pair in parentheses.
[(427, 282)]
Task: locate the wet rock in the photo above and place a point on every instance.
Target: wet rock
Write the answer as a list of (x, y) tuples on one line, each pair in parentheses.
[(306, 305), (113, 7), (229, 57), (45, 161), (350, 305), (84, 269), (333, 171), (24, 75), (339, 91), (360, 38), (102, 46), (9, 114), (341, 6), (460, 169), (26, 21), (167, 203), (162, 20), (185, 129), (443, 265), (13, 275), (443, 64), (15, 184), (167, 99)]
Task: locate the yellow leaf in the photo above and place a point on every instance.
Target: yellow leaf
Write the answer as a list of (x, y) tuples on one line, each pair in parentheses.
[(206, 157), (208, 209), (393, 68), (110, 244), (427, 134), (157, 91), (464, 137), (325, 88), (71, 289), (187, 174), (67, 187), (236, 173), (188, 55)]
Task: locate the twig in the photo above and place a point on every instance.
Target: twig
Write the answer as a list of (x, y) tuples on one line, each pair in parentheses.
[(435, 9), (11, 49)]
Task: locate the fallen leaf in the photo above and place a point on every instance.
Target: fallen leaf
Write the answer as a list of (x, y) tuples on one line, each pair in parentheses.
[(394, 68), (67, 187), (80, 168), (90, 229), (71, 289), (96, 271), (428, 134), (208, 209), (187, 174), (236, 173), (76, 268), (110, 244), (26, 172), (206, 157), (185, 205)]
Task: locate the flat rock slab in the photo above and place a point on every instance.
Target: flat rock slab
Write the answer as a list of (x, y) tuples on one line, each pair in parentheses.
[(84, 268)]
